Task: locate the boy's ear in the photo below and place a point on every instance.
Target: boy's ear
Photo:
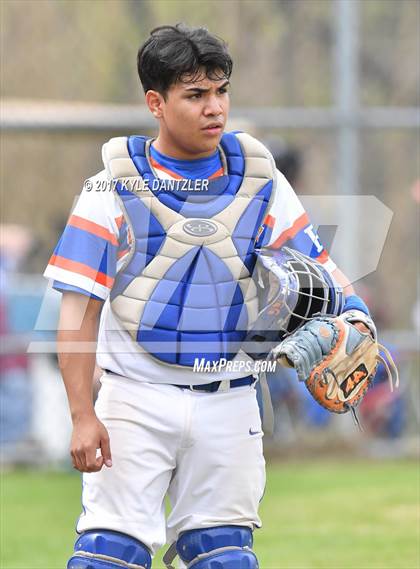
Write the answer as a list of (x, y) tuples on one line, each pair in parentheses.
[(155, 102)]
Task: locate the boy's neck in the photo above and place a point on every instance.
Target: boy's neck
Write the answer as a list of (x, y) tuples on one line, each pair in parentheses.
[(170, 150)]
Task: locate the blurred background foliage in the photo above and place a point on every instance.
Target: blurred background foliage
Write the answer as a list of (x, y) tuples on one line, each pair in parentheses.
[(77, 50)]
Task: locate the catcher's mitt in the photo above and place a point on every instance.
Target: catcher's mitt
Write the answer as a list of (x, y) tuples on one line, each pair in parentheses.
[(335, 360)]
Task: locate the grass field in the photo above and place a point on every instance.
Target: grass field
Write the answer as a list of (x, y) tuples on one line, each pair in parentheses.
[(330, 516)]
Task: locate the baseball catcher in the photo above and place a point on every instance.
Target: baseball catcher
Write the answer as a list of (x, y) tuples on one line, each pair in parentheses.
[(158, 273)]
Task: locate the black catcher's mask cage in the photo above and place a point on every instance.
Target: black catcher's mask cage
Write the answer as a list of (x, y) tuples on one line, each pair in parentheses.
[(292, 289)]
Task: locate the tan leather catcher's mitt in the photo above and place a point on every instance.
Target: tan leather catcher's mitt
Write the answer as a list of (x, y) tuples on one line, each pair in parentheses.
[(335, 360)]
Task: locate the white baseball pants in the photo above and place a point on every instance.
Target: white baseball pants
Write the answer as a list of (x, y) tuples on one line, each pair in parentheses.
[(202, 449)]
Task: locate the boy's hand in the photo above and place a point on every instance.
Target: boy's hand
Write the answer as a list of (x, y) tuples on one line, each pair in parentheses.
[(89, 435)]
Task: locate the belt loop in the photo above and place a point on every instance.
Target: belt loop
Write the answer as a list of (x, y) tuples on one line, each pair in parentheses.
[(256, 377), (224, 385)]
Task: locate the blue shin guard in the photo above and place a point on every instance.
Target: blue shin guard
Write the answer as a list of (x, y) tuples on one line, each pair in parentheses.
[(103, 549), (224, 547)]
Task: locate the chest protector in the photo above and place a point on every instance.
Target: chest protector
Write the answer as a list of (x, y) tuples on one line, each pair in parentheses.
[(185, 289)]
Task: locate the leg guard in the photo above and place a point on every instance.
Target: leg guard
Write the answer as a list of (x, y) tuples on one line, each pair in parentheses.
[(224, 547), (103, 549)]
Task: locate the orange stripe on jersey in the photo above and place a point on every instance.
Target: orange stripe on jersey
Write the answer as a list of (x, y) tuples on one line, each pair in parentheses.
[(119, 221), (269, 221), (323, 257), (160, 167), (92, 227), (121, 254), (216, 174), (81, 269), (299, 224)]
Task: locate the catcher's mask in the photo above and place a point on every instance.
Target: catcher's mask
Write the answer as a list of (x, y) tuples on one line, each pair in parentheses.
[(292, 288)]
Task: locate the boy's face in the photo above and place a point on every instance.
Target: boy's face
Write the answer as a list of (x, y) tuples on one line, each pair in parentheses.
[(191, 117)]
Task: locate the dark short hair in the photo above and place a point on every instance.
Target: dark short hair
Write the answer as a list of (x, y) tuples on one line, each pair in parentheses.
[(179, 53)]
